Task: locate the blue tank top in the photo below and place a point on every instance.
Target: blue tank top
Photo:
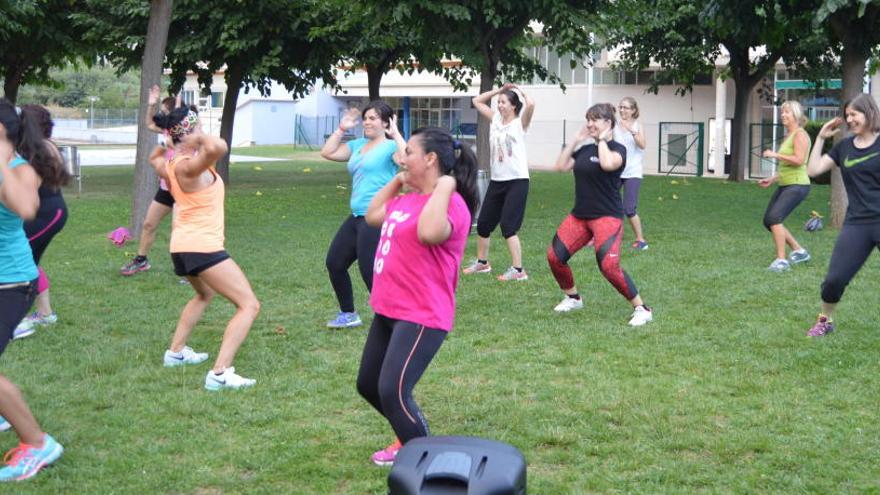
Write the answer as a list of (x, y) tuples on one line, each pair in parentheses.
[(16, 260)]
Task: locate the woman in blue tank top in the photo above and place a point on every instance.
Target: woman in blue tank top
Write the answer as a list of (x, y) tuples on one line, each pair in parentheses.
[(18, 277)]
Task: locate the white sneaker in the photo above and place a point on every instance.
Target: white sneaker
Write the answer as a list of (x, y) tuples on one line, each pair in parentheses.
[(640, 316), (779, 265), (185, 356), (227, 379), (4, 425), (569, 304)]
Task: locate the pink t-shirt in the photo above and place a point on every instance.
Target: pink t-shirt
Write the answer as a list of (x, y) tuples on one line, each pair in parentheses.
[(412, 281)]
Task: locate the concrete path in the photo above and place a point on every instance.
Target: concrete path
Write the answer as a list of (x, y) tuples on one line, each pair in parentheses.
[(125, 156)]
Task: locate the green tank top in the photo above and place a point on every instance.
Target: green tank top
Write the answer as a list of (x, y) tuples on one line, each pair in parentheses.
[(789, 175)]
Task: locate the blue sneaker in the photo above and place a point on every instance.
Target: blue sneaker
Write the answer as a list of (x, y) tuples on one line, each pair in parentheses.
[(799, 256), (640, 246), (4, 425), (345, 320), (25, 460)]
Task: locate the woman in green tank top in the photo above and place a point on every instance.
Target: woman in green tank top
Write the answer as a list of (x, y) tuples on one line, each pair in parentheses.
[(794, 185)]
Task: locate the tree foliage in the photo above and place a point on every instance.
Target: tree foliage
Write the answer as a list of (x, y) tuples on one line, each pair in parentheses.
[(36, 36)]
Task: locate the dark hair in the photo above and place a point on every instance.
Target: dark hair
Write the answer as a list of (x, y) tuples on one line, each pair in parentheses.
[(513, 98), (169, 102), (382, 109), (170, 121), (602, 111), (455, 159), (28, 136), (865, 104)]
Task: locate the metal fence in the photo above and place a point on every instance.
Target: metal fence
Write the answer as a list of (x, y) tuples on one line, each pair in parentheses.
[(763, 136), (680, 148)]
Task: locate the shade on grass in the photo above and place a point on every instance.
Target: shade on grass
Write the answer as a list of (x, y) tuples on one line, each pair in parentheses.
[(721, 393)]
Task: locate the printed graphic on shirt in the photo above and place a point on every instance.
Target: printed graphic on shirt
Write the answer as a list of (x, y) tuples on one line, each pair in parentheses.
[(849, 163), (388, 226)]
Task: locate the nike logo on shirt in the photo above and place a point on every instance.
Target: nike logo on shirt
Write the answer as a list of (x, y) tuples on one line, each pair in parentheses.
[(855, 161)]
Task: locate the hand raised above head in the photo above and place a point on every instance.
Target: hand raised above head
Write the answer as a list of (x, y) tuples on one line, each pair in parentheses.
[(831, 128), (350, 119)]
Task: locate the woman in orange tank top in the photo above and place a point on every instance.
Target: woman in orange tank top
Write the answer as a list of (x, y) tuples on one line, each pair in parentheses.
[(197, 249)]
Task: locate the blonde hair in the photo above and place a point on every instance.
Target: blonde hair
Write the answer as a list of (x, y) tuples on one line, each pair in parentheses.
[(632, 102), (796, 110)]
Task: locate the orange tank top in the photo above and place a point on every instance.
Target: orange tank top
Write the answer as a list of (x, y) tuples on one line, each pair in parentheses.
[(198, 216)]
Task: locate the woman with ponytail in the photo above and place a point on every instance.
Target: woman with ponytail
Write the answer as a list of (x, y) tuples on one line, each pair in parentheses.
[(19, 200), (52, 215), (415, 274)]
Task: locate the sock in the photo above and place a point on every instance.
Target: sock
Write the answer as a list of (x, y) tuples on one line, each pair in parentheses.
[(483, 262), (140, 259), (576, 297), (518, 269)]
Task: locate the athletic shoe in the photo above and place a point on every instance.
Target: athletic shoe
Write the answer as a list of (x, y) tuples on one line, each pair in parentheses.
[(385, 457), (227, 379), (641, 315), (477, 267), (799, 256), (29, 324), (513, 274), (640, 246), (779, 265), (134, 266), (4, 425), (26, 460), (185, 356), (345, 320), (822, 327), (569, 304)]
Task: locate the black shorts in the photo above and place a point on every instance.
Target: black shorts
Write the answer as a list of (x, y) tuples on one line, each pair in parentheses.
[(505, 203), (192, 264), (14, 304), (164, 197)]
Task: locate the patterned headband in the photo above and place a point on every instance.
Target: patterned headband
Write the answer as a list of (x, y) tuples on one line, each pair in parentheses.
[(185, 126)]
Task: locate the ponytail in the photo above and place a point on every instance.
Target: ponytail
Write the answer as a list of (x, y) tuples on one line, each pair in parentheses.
[(455, 159), (35, 147)]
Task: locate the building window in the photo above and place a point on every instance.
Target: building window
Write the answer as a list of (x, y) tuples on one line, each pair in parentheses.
[(189, 97), (216, 99)]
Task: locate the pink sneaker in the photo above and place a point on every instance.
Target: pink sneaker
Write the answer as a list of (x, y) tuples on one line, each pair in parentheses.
[(477, 267), (821, 328), (513, 274), (385, 457)]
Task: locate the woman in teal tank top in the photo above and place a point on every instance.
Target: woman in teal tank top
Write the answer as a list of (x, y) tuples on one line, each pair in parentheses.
[(794, 185), (18, 273)]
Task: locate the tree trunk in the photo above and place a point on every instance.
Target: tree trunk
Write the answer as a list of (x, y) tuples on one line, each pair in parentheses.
[(853, 74), (227, 120), (11, 84), (374, 78), (487, 82), (144, 185), (739, 128)]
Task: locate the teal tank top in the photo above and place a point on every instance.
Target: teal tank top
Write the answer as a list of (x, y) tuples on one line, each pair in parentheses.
[(16, 259)]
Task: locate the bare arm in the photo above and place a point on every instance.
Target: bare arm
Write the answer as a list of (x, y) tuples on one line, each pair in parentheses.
[(565, 161), (398, 139), (819, 163), (152, 101), (481, 102), (210, 149), (18, 189), (376, 211), (434, 227), (801, 148), (334, 149), (157, 160), (639, 136), (609, 160)]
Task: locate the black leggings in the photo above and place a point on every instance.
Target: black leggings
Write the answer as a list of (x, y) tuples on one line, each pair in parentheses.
[(354, 241), (853, 246), (14, 304), (505, 202), (49, 221), (396, 354), (784, 200)]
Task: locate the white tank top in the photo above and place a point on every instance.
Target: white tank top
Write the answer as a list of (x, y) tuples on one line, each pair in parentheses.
[(508, 149), (633, 168)]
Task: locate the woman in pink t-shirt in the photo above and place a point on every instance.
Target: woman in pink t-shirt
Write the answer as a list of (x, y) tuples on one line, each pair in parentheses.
[(415, 274)]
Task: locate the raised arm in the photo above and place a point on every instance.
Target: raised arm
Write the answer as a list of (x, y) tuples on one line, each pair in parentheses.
[(394, 131), (152, 101), (334, 149), (528, 109), (565, 161), (434, 227), (376, 211), (481, 102), (819, 163), (210, 149), (609, 160), (157, 161)]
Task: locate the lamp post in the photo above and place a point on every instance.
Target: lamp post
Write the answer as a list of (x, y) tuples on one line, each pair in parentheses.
[(92, 100)]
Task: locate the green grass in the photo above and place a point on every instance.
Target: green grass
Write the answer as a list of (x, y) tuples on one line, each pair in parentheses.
[(722, 393)]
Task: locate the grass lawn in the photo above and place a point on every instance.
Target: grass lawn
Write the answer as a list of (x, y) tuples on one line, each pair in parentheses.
[(722, 393)]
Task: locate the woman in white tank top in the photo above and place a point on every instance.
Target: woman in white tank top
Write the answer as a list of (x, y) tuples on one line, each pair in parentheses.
[(505, 201), (629, 132)]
